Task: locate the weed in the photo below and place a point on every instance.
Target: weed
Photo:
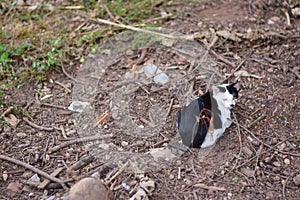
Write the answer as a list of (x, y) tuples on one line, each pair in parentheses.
[(235, 179)]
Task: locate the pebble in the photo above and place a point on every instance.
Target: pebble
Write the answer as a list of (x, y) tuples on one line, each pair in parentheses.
[(287, 161), (276, 164), (296, 180), (124, 143), (247, 151), (255, 143)]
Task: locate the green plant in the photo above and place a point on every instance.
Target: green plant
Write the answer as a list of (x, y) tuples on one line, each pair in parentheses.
[(51, 58), (235, 179)]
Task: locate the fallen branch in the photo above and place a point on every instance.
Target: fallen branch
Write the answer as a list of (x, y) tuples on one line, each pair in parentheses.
[(79, 140), (42, 128), (34, 169)]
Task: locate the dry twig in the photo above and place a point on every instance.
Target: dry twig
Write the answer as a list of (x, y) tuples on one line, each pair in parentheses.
[(54, 106), (103, 21), (118, 173), (79, 140), (66, 73), (7, 111), (202, 185), (63, 86), (42, 128), (34, 169), (43, 184), (170, 107)]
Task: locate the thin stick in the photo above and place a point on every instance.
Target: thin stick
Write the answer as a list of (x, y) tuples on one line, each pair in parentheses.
[(7, 111), (82, 162), (54, 106), (257, 120), (235, 70), (42, 128), (63, 132), (160, 142), (170, 107), (288, 20), (111, 16), (34, 169), (184, 37), (295, 72), (284, 186), (219, 57), (43, 184), (201, 185), (79, 140), (240, 139), (118, 173), (63, 86), (66, 73)]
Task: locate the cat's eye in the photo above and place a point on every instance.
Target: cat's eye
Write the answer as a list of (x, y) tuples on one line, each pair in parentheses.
[(225, 99)]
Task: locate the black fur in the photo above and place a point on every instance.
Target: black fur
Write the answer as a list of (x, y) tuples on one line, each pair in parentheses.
[(233, 90), (187, 120)]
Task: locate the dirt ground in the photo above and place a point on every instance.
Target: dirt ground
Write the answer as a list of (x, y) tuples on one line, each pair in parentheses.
[(258, 157)]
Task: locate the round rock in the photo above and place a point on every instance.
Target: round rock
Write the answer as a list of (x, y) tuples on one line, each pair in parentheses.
[(89, 189)]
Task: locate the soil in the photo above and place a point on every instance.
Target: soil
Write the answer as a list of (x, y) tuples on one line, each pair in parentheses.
[(257, 157)]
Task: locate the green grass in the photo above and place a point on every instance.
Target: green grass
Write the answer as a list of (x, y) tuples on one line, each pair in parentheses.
[(35, 41)]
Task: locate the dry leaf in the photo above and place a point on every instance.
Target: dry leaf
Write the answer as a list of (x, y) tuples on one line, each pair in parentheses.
[(14, 187)]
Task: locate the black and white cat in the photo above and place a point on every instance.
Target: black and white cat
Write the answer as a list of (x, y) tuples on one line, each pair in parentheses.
[(205, 119)]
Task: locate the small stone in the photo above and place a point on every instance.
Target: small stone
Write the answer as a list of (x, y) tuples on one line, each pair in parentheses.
[(124, 143), (287, 161), (268, 159), (276, 164), (296, 180), (255, 143)]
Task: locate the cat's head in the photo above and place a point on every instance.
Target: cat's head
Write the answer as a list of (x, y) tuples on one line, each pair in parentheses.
[(226, 94)]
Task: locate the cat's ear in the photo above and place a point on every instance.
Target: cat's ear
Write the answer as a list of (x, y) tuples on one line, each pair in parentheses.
[(215, 90), (237, 85)]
